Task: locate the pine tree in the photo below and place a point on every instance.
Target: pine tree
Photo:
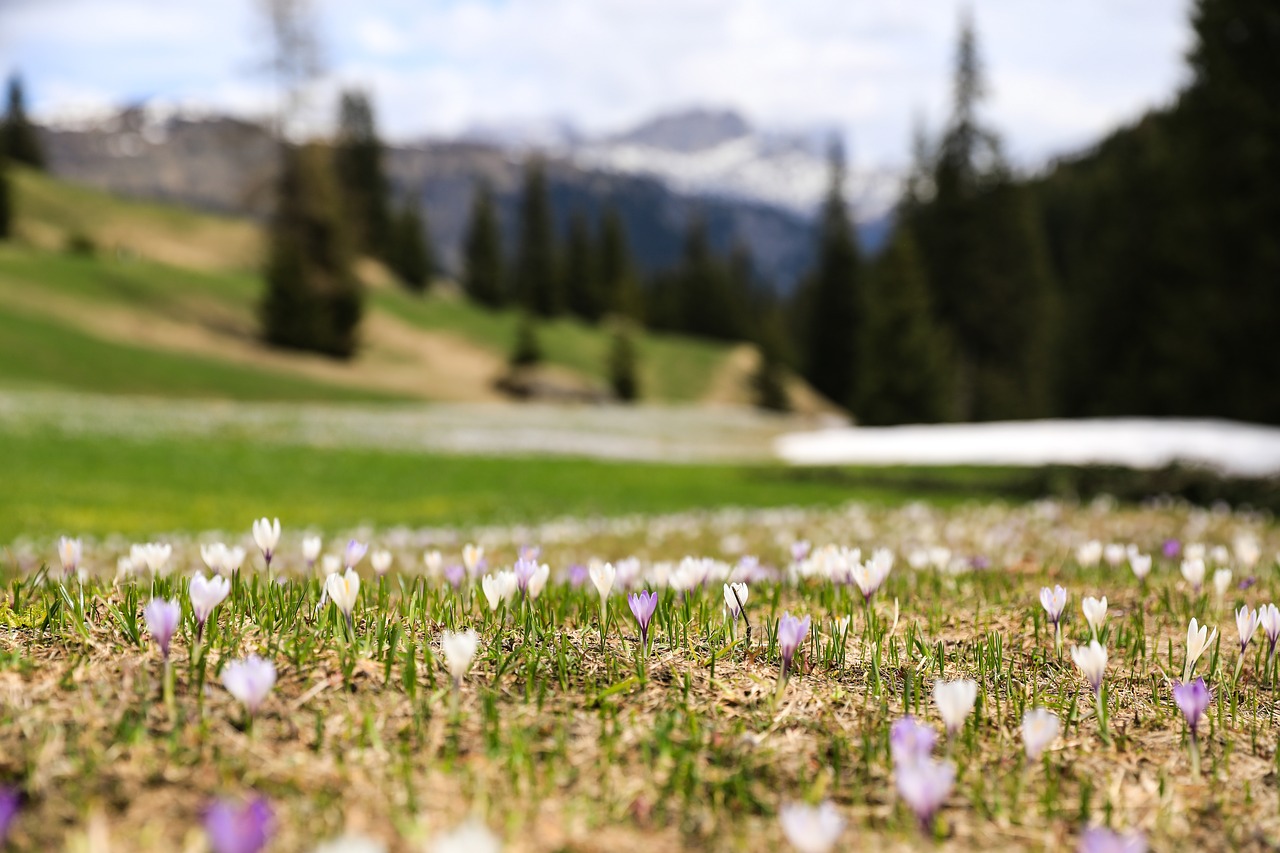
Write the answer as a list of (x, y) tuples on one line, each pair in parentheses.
[(6, 199), (581, 279), (366, 204), (537, 285), (18, 138), (903, 359), (313, 300), (527, 350), (623, 367), (411, 256), (482, 276), (619, 283), (834, 299), (769, 381), (984, 260)]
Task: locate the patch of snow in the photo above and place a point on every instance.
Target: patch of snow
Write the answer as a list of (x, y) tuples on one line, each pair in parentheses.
[(1229, 447)]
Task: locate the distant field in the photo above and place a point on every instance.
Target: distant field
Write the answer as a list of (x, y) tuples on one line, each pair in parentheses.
[(181, 288)]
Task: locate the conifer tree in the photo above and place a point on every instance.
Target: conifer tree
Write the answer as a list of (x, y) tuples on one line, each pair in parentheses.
[(769, 381), (537, 285), (830, 341), (621, 293), (623, 367), (18, 138), (411, 256), (482, 275), (6, 200), (527, 351), (581, 279), (313, 300), (366, 204), (903, 359)]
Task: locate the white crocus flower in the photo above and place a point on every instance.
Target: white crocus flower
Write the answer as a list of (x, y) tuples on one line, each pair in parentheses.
[(249, 680), (1221, 582), (499, 587), (1269, 619), (381, 561), (1141, 564), (1095, 612), (266, 534), (1194, 551), (1114, 554), (538, 581), (214, 555), (69, 554), (738, 603), (154, 556), (459, 650), (434, 561), (811, 829), (1247, 550), (1219, 555), (1092, 660), (206, 594), (1089, 553), (330, 564), (602, 577), (955, 701), (1039, 729), (343, 589), (1198, 639), (311, 546), (1247, 622), (1193, 572), (472, 555)]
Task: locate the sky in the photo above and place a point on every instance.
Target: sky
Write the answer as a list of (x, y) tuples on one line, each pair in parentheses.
[(1060, 74)]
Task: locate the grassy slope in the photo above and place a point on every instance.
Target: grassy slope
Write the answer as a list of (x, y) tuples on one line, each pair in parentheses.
[(92, 484), (211, 271)]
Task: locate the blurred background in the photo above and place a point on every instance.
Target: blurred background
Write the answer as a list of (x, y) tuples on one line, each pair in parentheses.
[(881, 212)]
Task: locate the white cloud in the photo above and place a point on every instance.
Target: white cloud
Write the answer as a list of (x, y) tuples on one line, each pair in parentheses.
[(1060, 74)]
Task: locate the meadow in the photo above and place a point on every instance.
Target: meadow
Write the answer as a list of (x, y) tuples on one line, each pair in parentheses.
[(561, 725)]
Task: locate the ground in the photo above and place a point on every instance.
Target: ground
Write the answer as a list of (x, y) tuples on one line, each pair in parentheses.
[(558, 744)]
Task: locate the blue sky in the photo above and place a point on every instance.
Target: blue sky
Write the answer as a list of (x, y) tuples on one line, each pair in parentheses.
[(1060, 73)]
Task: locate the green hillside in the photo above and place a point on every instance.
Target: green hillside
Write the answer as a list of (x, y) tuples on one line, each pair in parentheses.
[(165, 301)]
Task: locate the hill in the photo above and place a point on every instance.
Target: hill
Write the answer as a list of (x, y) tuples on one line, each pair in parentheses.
[(106, 294)]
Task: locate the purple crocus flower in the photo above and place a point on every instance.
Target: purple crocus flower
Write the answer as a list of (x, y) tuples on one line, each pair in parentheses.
[(525, 569), (455, 573), (162, 621), (238, 829), (799, 550), (643, 605), (578, 575), (532, 553), (1099, 839), (791, 633), (1193, 700), (910, 741), (924, 785), (354, 554), (1171, 548), (10, 801)]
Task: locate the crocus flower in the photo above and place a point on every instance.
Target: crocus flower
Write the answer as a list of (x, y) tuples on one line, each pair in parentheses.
[(381, 561), (1171, 548), (238, 829), (470, 837), (1247, 622), (266, 534), (311, 546), (1054, 601), (1198, 639), (1221, 582), (531, 577), (1099, 839), (459, 650), (1269, 619), (811, 829), (154, 555), (1092, 660), (1095, 613), (602, 577), (498, 588), (910, 741), (799, 550), (353, 554), (162, 621), (1089, 553), (344, 589), (955, 701), (1039, 729), (1113, 553), (473, 558), (1193, 701), (434, 561), (10, 803), (69, 553), (1193, 572), (205, 596), (735, 598), (924, 786), (214, 555), (578, 574), (1140, 564), (643, 605), (331, 564), (791, 633), (249, 680)]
